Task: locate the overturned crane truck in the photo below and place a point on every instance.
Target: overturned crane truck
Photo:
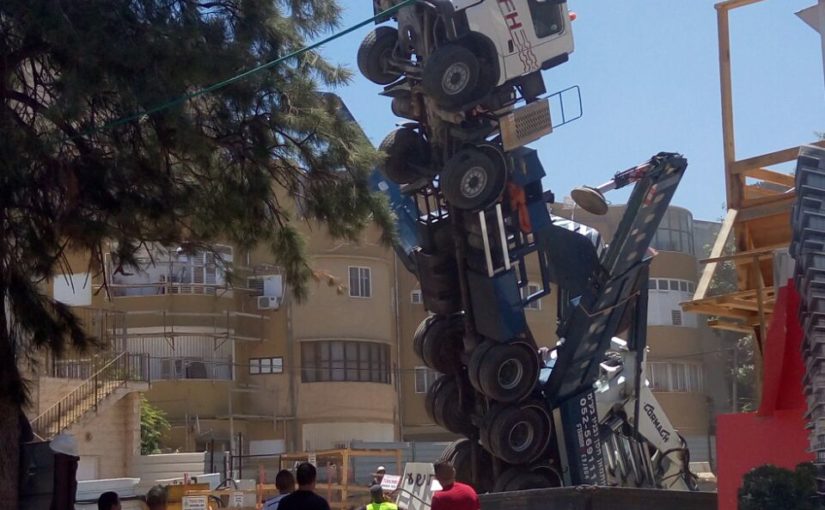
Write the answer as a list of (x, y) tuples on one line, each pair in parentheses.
[(473, 219)]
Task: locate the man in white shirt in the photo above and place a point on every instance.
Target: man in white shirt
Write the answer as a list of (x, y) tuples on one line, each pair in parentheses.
[(285, 483)]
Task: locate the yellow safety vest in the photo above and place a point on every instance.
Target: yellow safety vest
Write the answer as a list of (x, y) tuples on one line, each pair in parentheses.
[(382, 506)]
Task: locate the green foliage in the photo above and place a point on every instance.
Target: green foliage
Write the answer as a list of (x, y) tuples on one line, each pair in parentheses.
[(153, 425), (226, 166), (745, 374), (724, 281), (774, 488)]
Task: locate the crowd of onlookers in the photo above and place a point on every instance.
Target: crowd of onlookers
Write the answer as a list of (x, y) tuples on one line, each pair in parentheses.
[(297, 492)]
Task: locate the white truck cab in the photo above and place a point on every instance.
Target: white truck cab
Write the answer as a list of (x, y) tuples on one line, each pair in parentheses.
[(462, 50)]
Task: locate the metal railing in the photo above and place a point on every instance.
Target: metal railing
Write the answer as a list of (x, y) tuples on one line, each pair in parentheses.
[(116, 373)]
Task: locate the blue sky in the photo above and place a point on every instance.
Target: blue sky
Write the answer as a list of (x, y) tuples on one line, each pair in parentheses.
[(648, 72)]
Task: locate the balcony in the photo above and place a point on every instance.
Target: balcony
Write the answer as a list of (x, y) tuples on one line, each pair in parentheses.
[(176, 345), (162, 271)]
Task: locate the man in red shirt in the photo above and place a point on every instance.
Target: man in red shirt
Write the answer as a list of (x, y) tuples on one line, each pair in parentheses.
[(453, 495)]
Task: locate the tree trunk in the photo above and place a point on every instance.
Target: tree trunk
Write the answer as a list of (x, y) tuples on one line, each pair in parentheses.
[(11, 397), (9, 452)]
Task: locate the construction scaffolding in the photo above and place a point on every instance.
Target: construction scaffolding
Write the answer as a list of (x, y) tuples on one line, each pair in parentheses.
[(757, 224), (336, 473)]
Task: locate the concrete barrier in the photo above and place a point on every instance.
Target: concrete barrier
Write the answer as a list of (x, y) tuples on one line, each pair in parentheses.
[(598, 498)]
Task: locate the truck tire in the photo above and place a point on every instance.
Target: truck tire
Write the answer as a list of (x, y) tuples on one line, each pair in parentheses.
[(519, 479), (406, 149), (460, 454), (429, 399), (444, 401), (451, 77), (418, 336), (476, 357), (507, 372), (374, 55), (443, 305), (516, 434), (472, 179), (443, 344), (437, 238)]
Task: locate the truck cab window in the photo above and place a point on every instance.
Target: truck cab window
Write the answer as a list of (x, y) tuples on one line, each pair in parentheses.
[(546, 17)]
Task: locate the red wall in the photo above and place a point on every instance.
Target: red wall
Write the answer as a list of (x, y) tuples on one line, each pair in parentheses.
[(776, 433)]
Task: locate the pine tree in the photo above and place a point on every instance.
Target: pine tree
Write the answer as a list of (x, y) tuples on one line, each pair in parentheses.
[(225, 165)]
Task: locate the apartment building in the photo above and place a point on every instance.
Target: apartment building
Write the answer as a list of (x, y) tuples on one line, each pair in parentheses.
[(228, 354), (237, 364)]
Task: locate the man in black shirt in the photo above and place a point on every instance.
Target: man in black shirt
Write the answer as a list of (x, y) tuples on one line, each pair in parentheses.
[(304, 498)]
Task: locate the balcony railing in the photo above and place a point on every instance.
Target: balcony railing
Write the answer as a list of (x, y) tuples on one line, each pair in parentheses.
[(114, 374)]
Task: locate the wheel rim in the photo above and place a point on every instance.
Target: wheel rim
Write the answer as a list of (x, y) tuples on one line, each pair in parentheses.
[(473, 182), (521, 436), (456, 78), (510, 374)]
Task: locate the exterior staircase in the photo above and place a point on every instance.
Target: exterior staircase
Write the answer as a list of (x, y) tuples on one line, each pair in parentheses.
[(120, 375)]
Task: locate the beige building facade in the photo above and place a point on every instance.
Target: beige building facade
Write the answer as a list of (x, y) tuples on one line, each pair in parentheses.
[(239, 365)]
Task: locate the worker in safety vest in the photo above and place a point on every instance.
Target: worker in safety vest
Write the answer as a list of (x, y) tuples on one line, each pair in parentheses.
[(378, 500)]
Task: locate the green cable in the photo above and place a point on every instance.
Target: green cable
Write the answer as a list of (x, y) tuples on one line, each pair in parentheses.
[(238, 77)]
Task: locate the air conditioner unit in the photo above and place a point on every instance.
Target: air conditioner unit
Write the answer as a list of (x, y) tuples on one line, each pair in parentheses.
[(266, 285), (269, 302)]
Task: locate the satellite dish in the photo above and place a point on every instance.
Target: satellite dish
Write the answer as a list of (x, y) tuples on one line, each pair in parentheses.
[(590, 199)]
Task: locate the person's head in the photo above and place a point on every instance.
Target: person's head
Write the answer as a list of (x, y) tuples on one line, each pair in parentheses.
[(380, 472), (444, 473), (306, 475), (285, 481), (108, 501), (377, 494), (156, 498)]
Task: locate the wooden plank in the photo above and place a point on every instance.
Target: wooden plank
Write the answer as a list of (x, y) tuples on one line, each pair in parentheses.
[(753, 191), (716, 251), (767, 250), (733, 183), (734, 4), (730, 326), (763, 174), (765, 211), (721, 311), (771, 158), (786, 199)]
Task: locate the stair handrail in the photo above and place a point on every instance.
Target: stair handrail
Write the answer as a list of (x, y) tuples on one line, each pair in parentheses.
[(99, 385)]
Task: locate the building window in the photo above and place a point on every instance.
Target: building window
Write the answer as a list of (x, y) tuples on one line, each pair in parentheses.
[(345, 361), (415, 297), (258, 366), (676, 317), (675, 376), (529, 290), (360, 284), (675, 233), (424, 378)]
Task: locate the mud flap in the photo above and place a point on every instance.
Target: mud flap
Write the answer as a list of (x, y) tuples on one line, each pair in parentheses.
[(577, 426)]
